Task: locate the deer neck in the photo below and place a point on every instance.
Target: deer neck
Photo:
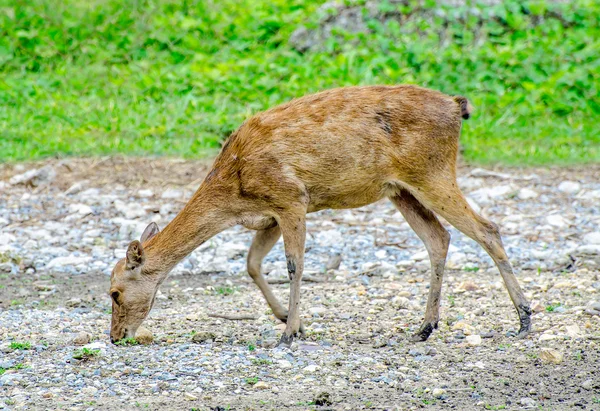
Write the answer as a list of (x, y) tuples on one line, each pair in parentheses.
[(203, 217)]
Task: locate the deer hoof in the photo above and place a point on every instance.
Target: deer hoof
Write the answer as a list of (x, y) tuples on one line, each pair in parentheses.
[(285, 341), (424, 332)]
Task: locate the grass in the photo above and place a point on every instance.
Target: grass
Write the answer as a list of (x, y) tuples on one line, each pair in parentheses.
[(225, 290), (20, 345), (85, 354), (552, 307), (176, 78), (127, 341), (251, 380)]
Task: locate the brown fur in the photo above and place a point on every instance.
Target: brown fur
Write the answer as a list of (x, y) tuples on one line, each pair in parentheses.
[(341, 148)]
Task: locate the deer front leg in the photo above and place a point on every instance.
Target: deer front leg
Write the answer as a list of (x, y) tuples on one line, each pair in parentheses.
[(293, 228), (263, 242)]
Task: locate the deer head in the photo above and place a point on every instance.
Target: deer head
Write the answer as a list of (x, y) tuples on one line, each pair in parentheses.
[(132, 289)]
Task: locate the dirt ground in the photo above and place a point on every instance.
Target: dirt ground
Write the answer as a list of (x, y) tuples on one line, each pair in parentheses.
[(359, 341)]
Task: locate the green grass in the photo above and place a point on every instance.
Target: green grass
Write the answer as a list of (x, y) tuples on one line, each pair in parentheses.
[(127, 341), (551, 307), (177, 77), (20, 345), (85, 353)]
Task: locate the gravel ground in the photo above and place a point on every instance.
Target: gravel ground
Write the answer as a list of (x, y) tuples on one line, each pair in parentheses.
[(64, 223)]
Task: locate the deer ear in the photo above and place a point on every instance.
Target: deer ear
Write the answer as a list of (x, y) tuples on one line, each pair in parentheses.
[(135, 255), (149, 232)]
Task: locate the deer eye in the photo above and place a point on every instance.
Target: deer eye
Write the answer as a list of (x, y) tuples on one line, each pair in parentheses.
[(115, 296)]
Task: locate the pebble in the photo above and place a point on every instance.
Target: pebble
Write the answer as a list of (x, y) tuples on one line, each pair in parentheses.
[(82, 338), (144, 336), (438, 393), (569, 187), (473, 340), (261, 385), (551, 355)]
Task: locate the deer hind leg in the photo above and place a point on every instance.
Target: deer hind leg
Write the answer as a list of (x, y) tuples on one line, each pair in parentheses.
[(436, 239), (445, 198), (263, 242)]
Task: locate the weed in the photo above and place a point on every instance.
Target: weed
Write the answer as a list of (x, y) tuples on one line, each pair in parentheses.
[(20, 345), (251, 380), (224, 290), (127, 341), (550, 308), (251, 347), (85, 354), (261, 361), (452, 300)]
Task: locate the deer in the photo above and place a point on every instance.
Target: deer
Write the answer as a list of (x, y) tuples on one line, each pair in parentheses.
[(338, 149)]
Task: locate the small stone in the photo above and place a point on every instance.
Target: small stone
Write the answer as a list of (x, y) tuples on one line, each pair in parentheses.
[(468, 286), (320, 311), (438, 392), (528, 402), (285, 364), (551, 355), (203, 336), (569, 187), (190, 397), (473, 340), (90, 391), (573, 331), (588, 385), (145, 193), (464, 327), (334, 262), (527, 193), (47, 395), (261, 385), (590, 249), (144, 336), (547, 337), (592, 238), (323, 399), (310, 369), (556, 220), (82, 338), (172, 194)]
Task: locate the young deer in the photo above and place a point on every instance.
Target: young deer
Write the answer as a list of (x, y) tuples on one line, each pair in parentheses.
[(341, 148)]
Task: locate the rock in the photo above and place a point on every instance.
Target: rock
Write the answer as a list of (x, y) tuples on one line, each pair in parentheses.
[(35, 178), (595, 306), (334, 262), (68, 261), (144, 336), (330, 238), (261, 385), (592, 238), (464, 327), (591, 249), (145, 193), (81, 209), (527, 402), (310, 368), (82, 338), (588, 384), (573, 331), (569, 187), (547, 337), (323, 399), (203, 336), (438, 393), (129, 210), (89, 391), (319, 311), (556, 220), (551, 355), (172, 193), (468, 286), (190, 397), (284, 364), (473, 340), (527, 193)]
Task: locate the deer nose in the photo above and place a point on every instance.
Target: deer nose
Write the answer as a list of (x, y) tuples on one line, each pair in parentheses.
[(112, 340)]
